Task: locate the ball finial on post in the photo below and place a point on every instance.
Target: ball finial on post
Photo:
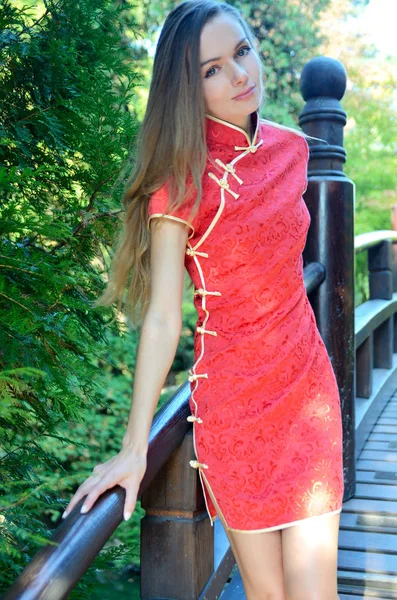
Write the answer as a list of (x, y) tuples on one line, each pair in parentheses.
[(322, 85)]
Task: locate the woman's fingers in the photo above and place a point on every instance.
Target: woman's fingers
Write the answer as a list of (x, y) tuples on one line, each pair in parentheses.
[(82, 491), (100, 487), (131, 492), (125, 469)]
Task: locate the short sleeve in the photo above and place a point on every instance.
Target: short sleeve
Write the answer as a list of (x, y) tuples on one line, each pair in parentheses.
[(158, 205)]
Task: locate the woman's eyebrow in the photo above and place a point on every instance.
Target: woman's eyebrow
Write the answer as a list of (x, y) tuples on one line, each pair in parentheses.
[(219, 57)]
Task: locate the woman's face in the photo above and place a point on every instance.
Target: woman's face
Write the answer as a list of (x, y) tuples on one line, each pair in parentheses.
[(231, 66)]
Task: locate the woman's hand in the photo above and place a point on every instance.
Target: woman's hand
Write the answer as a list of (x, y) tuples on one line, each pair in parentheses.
[(126, 469)]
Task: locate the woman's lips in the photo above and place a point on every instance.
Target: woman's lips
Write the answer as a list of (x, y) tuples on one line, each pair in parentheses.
[(245, 94)]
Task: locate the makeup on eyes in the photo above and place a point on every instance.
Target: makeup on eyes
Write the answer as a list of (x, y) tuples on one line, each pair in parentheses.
[(248, 48)]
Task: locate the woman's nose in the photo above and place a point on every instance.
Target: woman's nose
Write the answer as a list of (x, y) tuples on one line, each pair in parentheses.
[(239, 74)]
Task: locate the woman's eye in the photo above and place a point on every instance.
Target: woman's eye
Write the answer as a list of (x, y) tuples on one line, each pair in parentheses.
[(211, 72), (208, 73), (248, 48)]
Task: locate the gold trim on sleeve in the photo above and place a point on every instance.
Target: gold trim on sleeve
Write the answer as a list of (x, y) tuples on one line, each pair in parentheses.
[(174, 219)]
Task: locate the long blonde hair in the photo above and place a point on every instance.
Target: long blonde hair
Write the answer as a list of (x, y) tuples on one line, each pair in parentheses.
[(170, 146)]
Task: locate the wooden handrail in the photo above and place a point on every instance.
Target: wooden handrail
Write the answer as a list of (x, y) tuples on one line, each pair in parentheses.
[(363, 241), (313, 275)]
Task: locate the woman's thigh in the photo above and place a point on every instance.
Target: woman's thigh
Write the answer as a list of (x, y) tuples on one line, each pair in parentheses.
[(259, 559), (310, 558)]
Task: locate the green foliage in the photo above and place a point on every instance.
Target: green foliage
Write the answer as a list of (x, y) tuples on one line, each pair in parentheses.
[(65, 134), (371, 147)]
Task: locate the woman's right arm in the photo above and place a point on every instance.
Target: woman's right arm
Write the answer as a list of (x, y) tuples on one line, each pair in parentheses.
[(158, 341)]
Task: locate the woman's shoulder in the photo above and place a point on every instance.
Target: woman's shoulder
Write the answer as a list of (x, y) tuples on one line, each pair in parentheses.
[(282, 133), (278, 128), (162, 205)]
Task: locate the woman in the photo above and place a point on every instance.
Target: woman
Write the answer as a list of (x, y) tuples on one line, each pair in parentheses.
[(264, 400)]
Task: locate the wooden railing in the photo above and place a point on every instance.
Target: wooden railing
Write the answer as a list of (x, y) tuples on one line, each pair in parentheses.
[(376, 333), (182, 556)]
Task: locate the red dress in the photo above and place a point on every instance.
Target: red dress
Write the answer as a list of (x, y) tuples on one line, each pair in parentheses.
[(264, 399)]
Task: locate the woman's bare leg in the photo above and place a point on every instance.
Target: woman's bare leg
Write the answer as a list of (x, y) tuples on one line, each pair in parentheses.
[(259, 559), (310, 557)]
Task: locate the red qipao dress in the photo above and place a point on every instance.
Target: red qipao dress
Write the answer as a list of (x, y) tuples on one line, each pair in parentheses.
[(264, 401)]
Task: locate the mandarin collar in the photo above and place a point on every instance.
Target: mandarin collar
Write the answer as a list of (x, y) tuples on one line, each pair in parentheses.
[(223, 132)]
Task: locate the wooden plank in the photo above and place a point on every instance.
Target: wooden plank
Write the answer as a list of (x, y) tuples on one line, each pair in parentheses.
[(376, 455), (360, 595), (362, 505), (375, 445), (367, 562), (376, 491), (387, 437), (371, 477), (367, 541), (347, 592), (385, 429), (373, 580), (388, 475), (375, 465), (368, 522)]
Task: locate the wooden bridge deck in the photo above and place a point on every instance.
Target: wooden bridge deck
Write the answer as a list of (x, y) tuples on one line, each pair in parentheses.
[(367, 558)]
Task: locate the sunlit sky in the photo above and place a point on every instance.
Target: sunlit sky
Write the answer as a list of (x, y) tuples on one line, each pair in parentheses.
[(378, 21)]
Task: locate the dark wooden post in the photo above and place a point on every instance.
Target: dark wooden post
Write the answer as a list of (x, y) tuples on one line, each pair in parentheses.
[(177, 540), (330, 200)]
